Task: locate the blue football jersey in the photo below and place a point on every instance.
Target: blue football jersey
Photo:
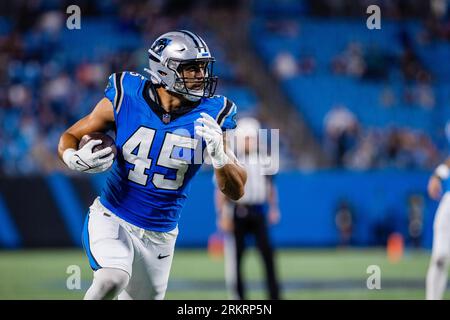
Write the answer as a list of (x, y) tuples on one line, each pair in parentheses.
[(158, 153)]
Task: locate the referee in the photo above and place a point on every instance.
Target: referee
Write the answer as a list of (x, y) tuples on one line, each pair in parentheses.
[(249, 215)]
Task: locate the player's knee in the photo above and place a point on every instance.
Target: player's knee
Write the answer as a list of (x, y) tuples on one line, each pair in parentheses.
[(112, 281), (441, 261), (115, 284)]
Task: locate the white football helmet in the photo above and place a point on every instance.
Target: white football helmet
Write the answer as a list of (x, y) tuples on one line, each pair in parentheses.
[(170, 52)]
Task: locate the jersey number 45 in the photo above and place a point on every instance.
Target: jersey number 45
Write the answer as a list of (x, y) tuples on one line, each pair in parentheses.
[(136, 151)]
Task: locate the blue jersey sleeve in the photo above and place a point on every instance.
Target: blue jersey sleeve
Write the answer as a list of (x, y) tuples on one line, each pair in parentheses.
[(110, 90), (227, 115), (114, 91), (121, 88)]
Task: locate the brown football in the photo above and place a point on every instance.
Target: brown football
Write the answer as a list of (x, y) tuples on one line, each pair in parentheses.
[(107, 141)]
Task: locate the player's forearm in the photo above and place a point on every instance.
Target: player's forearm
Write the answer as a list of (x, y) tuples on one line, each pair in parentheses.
[(434, 187), (67, 141), (101, 119), (231, 180)]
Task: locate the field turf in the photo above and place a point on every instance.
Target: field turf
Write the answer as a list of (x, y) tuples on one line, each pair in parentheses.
[(304, 274)]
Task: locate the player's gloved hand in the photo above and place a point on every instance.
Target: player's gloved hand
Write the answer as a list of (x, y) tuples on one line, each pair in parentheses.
[(212, 133), (87, 161)]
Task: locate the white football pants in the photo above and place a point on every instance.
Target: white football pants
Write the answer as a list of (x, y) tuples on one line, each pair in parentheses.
[(146, 256), (436, 282)]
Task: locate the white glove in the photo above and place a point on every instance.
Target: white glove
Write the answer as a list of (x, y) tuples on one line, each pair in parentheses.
[(87, 161), (212, 133)]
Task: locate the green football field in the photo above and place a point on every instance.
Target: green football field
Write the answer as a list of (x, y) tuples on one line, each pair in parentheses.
[(304, 274)]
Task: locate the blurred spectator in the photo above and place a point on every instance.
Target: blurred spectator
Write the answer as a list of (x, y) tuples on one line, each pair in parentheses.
[(283, 27), (344, 222), (285, 65), (365, 155), (425, 96), (307, 64), (439, 8), (341, 130), (437, 25), (376, 63), (421, 95), (394, 147), (350, 62), (415, 219), (412, 68), (388, 97)]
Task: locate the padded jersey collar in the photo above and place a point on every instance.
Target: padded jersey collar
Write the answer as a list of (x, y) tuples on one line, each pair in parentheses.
[(151, 97)]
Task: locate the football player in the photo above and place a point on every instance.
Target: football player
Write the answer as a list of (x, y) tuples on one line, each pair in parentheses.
[(440, 257), (162, 127)]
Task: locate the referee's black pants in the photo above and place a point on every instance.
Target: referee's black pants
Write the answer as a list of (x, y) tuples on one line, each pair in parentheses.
[(252, 220)]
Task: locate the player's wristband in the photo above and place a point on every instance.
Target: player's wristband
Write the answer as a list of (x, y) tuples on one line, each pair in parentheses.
[(67, 155), (442, 172)]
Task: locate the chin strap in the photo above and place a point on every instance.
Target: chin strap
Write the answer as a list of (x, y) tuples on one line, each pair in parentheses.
[(190, 97)]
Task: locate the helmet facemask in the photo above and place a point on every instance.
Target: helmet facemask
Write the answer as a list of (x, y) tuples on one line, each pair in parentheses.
[(191, 87)]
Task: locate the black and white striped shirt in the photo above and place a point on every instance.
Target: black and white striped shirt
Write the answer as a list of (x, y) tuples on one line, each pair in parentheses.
[(258, 183)]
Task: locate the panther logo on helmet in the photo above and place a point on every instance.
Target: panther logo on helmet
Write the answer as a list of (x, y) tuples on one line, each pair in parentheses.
[(160, 45)]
